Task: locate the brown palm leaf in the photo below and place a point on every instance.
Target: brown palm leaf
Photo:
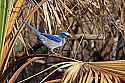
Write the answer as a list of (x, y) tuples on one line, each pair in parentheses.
[(97, 72)]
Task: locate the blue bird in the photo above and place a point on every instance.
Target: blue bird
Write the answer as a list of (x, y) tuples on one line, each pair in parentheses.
[(51, 41)]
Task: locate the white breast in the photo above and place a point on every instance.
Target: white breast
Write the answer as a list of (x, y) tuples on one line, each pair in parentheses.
[(52, 45)]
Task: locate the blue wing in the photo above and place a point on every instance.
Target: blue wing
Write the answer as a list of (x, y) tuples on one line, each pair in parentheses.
[(49, 36), (52, 37)]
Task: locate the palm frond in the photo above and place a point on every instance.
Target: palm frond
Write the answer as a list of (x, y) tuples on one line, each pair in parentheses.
[(98, 72), (4, 4), (6, 29), (15, 75)]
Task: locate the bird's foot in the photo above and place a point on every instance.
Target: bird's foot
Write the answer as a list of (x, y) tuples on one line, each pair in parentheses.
[(52, 52)]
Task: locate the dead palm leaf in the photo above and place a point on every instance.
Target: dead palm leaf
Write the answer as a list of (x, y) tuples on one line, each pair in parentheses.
[(98, 72), (16, 74)]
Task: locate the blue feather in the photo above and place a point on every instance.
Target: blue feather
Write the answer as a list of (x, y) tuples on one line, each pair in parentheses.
[(49, 36), (51, 41), (52, 37)]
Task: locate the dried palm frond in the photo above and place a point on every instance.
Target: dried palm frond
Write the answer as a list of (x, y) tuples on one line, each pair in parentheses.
[(7, 40), (88, 72), (92, 23), (62, 65), (97, 72), (15, 75)]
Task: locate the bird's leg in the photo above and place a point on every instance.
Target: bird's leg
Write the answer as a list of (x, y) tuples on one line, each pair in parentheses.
[(52, 50)]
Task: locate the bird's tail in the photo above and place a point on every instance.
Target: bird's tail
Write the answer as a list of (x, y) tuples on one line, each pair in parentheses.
[(33, 29), (38, 33)]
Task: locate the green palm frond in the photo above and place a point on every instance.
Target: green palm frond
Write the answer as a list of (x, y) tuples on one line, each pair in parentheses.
[(7, 19), (3, 21)]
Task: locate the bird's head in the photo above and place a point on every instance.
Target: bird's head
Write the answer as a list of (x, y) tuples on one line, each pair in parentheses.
[(64, 34)]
